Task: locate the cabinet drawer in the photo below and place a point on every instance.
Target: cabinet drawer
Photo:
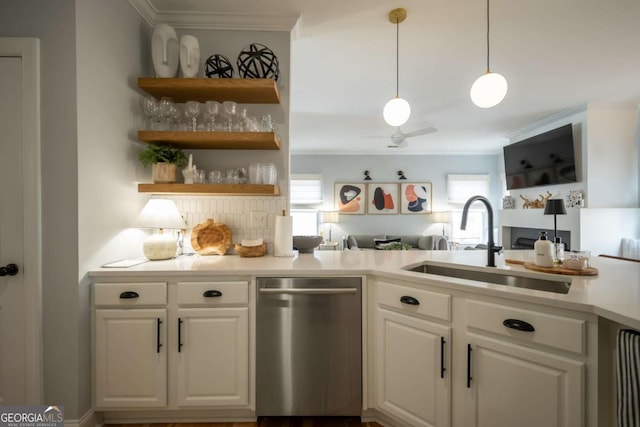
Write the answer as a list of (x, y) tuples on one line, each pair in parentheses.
[(554, 331), (213, 293), (130, 294), (418, 301)]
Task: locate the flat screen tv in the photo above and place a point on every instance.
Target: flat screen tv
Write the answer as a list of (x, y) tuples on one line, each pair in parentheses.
[(545, 159)]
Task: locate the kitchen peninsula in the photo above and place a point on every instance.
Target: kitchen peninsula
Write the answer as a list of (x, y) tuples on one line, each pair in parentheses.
[(449, 341)]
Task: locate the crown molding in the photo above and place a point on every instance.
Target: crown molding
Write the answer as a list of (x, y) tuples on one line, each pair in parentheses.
[(193, 20), (548, 120)]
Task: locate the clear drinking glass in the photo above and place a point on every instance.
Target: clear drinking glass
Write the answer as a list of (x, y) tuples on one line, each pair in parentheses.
[(215, 177), (254, 174), (230, 111), (150, 108), (212, 109), (192, 111), (166, 104)]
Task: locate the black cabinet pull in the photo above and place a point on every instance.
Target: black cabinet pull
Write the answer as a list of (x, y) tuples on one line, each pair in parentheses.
[(158, 345), (212, 294), (9, 270), (179, 334), (442, 368), (129, 295), (519, 325), (469, 350), (409, 300)]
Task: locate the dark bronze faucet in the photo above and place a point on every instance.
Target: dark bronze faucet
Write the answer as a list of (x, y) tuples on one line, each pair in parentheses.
[(492, 249)]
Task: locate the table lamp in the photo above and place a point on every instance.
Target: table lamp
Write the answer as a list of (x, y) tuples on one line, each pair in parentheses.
[(329, 217), (555, 207), (443, 218), (160, 214)]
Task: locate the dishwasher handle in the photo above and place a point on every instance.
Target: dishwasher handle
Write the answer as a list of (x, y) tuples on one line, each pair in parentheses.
[(308, 291)]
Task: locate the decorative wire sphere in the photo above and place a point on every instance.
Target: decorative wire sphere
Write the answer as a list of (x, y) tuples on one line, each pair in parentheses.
[(257, 61), (489, 90), (218, 66)]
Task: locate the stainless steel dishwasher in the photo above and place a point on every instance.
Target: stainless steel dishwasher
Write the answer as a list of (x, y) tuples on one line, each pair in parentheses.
[(309, 347)]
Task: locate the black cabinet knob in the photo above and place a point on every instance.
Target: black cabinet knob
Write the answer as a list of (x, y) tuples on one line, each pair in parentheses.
[(9, 270)]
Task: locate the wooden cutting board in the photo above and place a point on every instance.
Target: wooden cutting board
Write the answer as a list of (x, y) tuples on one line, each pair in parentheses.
[(589, 271)]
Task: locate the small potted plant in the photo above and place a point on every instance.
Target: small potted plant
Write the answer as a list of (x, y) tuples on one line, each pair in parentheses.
[(164, 160)]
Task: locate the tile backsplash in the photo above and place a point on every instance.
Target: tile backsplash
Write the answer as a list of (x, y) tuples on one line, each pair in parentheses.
[(234, 212)]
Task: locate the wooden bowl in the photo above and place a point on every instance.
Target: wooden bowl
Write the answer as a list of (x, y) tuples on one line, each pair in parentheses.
[(209, 238), (251, 251)]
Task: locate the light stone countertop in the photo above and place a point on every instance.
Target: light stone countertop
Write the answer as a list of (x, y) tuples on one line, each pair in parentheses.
[(613, 294)]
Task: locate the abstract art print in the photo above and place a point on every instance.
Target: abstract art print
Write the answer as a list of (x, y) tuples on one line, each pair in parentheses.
[(415, 198), (382, 198), (350, 199)]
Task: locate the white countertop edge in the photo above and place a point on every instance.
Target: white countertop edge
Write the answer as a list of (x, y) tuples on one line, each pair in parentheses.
[(606, 303)]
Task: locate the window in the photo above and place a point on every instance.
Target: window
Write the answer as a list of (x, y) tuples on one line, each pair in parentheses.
[(459, 189), (306, 201)]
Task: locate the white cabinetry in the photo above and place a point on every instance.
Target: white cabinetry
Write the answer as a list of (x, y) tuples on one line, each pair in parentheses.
[(213, 345), (130, 345), (506, 363), (412, 355), (524, 367), (169, 346)]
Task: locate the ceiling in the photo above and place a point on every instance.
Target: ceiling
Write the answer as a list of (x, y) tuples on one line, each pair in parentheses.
[(557, 55)]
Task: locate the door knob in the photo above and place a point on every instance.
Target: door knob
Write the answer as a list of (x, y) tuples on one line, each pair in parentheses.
[(9, 270)]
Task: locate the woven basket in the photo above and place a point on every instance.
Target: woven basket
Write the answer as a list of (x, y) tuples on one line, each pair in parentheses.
[(251, 251)]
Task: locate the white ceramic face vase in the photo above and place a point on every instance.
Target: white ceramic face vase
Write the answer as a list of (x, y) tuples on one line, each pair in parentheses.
[(189, 56), (165, 51)]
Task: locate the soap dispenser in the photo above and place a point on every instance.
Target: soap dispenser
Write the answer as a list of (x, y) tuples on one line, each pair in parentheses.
[(544, 251)]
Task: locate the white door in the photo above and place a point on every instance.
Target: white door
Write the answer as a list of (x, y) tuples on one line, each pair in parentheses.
[(20, 354), (512, 385), (413, 370), (213, 357)]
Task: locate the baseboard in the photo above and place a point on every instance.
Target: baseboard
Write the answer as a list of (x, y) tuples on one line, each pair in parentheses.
[(373, 415), (178, 416), (89, 419)]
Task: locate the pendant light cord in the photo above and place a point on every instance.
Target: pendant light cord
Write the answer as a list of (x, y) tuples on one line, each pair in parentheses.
[(488, 69), (398, 58)]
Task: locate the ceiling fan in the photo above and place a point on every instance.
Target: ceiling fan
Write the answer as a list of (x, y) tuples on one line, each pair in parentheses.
[(399, 138)]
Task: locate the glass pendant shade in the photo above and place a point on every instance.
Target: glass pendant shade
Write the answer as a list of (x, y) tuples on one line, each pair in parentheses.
[(396, 112), (489, 90)]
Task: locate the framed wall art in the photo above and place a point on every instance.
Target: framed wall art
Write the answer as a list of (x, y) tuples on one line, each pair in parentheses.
[(415, 198), (350, 199), (382, 198)]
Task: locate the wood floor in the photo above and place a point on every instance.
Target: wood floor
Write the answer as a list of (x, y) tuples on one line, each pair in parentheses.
[(271, 422)]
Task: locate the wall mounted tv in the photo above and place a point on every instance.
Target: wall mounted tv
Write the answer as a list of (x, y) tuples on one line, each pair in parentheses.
[(541, 160)]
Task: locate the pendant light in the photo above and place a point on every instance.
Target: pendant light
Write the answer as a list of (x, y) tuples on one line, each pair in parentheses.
[(490, 88), (397, 111)]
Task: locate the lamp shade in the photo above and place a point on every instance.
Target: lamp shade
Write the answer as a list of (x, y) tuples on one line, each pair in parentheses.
[(160, 213), (555, 207), (396, 112), (443, 217), (489, 90), (329, 217)]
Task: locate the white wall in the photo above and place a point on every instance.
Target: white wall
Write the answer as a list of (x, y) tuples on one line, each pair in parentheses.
[(112, 51), (432, 169), (612, 153)]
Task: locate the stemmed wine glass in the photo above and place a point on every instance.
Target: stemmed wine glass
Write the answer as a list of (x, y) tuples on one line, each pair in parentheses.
[(192, 111), (165, 111), (229, 108), (150, 109), (212, 110)]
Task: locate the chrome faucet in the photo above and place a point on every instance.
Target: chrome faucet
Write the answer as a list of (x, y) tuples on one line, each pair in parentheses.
[(492, 249)]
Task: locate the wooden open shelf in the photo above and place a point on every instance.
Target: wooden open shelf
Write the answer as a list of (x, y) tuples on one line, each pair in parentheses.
[(213, 140), (244, 91), (211, 189)]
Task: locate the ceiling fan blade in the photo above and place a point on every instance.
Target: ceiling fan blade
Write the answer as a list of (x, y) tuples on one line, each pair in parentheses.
[(424, 131), (400, 144)]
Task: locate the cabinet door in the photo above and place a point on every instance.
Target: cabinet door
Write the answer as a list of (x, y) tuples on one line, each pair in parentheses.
[(131, 358), (213, 357), (512, 385), (413, 369)]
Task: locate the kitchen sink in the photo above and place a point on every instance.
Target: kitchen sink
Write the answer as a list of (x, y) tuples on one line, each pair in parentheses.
[(500, 277)]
